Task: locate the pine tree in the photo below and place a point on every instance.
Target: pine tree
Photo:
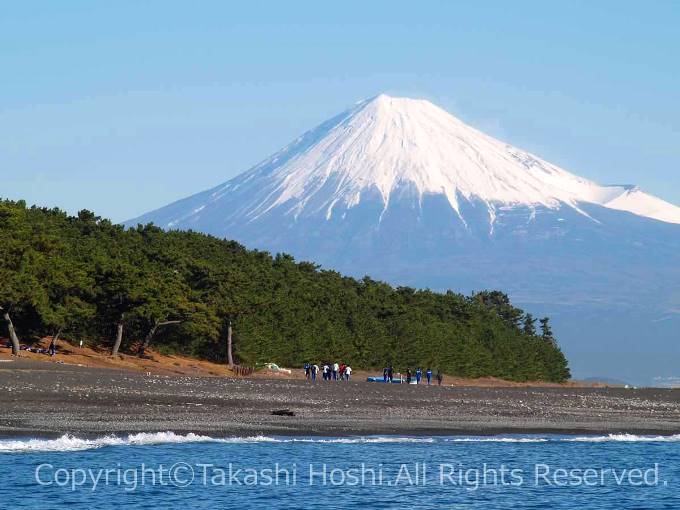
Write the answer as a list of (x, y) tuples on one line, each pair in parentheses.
[(529, 325), (546, 331)]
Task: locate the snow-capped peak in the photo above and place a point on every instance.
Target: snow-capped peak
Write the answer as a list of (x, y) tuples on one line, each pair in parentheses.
[(390, 146), (385, 143)]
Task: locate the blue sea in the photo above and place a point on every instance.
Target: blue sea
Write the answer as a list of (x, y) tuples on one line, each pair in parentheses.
[(167, 470)]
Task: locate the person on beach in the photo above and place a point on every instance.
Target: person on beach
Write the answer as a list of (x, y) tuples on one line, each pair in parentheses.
[(348, 372), (390, 373), (336, 369), (440, 378), (419, 375), (343, 367), (307, 370), (428, 374), (408, 376), (314, 370), (326, 371)]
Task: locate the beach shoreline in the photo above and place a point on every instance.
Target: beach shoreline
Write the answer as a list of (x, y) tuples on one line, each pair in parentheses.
[(48, 400)]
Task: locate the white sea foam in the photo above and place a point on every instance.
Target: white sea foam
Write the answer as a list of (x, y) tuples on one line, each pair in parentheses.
[(624, 438), (329, 440), (498, 440), (69, 443), (627, 438), (363, 440)]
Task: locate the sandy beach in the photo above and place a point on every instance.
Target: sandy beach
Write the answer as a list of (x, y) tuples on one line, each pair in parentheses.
[(41, 399)]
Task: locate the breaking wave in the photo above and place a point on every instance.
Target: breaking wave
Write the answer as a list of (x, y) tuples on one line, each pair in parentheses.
[(69, 443), (629, 438), (625, 438), (498, 440), (363, 440)]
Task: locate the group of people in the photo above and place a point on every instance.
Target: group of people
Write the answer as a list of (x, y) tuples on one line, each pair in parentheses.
[(388, 376), (342, 372), (51, 350), (329, 371)]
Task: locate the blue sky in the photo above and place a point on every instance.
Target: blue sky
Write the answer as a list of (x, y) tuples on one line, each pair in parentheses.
[(122, 107)]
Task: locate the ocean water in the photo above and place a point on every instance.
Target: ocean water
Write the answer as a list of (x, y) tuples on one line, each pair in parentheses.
[(166, 470)]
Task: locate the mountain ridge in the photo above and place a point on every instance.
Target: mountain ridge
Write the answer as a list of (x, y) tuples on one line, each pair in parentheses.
[(384, 144)]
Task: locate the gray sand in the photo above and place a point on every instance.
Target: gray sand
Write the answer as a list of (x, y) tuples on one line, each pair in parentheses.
[(44, 399)]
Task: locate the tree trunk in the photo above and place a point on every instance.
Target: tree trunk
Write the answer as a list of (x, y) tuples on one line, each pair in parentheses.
[(230, 357), (147, 339), (152, 332), (53, 343), (12, 333), (119, 337)]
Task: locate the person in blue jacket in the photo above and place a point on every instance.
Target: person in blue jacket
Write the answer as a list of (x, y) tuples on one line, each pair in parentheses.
[(419, 375), (428, 374)]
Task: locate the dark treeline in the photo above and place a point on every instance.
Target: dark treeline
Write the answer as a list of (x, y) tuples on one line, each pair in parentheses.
[(84, 278)]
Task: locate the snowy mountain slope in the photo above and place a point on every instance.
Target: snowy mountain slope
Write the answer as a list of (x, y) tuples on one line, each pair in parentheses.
[(632, 199), (387, 144)]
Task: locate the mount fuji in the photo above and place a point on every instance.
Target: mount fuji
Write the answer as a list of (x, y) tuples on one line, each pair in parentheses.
[(401, 190)]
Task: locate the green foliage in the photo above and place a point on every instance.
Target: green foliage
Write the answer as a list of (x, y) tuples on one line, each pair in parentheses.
[(81, 275), (529, 325), (546, 330)]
